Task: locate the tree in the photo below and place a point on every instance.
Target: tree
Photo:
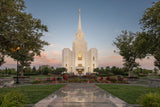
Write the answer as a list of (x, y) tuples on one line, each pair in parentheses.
[(126, 48), (148, 41), (96, 70), (27, 70), (60, 70), (34, 69), (1, 59), (9, 10), (20, 29), (108, 69)]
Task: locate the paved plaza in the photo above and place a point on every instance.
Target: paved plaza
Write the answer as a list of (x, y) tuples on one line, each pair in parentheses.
[(81, 95)]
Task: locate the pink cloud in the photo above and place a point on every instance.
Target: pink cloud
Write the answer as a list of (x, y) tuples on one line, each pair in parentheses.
[(53, 58), (55, 53), (51, 45), (117, 60), (44, 60)]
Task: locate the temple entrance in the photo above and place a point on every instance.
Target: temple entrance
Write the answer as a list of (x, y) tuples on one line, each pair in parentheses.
[(80, 70)]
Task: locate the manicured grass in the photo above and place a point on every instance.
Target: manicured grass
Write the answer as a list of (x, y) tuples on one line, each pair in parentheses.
[(40, 76), (34, 93), (127, 93)]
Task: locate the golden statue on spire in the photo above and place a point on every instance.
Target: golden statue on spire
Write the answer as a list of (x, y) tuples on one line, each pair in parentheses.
[(79, 10)]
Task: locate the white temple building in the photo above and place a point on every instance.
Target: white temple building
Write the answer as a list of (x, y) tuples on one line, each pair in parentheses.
[(79, 60)]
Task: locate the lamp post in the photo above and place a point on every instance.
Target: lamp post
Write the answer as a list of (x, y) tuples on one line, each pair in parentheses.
[(16, 50), (17, 81)]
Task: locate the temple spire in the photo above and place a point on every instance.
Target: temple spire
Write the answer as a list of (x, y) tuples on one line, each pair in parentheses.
[(79, 25)]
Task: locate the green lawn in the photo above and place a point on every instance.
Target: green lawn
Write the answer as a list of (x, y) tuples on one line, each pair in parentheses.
[(127, 93), (34, 92), (40, 76)]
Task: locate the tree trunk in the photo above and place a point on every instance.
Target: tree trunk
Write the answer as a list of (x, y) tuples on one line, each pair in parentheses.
[(21, 70), (130, 74)]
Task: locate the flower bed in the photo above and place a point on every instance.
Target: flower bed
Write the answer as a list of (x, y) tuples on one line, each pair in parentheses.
[(83, 79)]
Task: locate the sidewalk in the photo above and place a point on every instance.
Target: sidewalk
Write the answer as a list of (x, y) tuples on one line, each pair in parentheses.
[(81, 95)]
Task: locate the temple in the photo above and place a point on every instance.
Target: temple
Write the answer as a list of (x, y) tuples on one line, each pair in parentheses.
[(80, 60)]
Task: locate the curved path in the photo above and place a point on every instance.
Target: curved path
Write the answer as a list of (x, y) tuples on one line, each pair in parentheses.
[(81, 95)]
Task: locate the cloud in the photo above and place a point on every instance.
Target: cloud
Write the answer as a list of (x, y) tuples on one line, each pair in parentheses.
[(117, 60), (114, 60), (45, 60), (55, 53), (54, 58), (51, 45), (147, 63)]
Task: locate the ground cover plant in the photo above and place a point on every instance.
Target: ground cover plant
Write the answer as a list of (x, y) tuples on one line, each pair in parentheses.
[(34, 93), (128, 93), (149, 100)]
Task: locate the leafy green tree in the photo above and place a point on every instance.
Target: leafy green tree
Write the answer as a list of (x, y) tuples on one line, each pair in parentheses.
[(45, 69), (126, 48), (148, 41), (60, 70), (20, 33), (108, 69), (9, 11), (96, 70), (1, 59), (27, 70), (34, 69)]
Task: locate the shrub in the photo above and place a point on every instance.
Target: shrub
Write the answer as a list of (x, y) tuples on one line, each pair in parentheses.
[(48, 79), (12, 99), (149, 100), (36, 82), (113, 79)]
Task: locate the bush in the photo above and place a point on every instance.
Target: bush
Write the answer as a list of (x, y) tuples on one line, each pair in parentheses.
[(149, 100), (113, 79), (12, 99), (30, 74), (36, 82)]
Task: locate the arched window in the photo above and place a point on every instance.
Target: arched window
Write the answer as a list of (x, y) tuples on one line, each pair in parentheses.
[(93, 58), (80, 65), (93, 65), (66, 58), (79, 55)]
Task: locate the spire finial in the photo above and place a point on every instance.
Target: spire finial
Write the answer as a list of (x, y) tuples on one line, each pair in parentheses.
[(79, 25)]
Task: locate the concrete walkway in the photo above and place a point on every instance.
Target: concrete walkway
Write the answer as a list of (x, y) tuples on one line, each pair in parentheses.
[(81, 95)]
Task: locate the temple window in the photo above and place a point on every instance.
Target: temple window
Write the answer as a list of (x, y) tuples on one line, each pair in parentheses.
[(93, 58), (93, 65), (80, 65), (80, 55)]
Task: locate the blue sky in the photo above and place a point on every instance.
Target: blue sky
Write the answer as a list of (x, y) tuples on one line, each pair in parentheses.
[(102, 22)]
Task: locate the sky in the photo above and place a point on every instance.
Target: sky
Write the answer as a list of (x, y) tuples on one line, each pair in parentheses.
[(102, 21)]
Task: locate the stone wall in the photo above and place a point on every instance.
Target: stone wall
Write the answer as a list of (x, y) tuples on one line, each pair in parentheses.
[(6, 82), (23, 80), (154, 83)]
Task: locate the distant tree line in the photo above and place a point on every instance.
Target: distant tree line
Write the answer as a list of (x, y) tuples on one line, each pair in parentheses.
[(111, 71), (42, 70)]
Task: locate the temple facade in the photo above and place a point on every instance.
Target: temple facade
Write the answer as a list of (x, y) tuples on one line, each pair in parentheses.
[(80, 60)]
